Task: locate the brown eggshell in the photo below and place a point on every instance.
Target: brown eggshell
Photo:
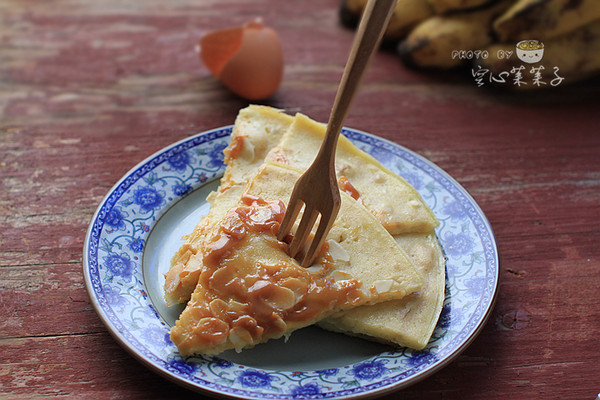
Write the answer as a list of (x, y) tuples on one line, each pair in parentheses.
[(248, 60)]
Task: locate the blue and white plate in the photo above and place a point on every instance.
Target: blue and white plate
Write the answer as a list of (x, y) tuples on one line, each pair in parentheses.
[(138, 227)]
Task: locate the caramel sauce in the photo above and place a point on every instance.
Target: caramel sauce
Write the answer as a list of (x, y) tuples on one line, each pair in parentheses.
[(235, 148), (246, 301), (239, 221), (347, 187)]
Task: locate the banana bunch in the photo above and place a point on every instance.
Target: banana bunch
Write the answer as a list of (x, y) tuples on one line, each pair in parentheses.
[(407, 14), (526, 43)]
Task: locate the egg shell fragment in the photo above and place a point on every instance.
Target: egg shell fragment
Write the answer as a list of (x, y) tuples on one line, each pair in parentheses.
[(248, 59)]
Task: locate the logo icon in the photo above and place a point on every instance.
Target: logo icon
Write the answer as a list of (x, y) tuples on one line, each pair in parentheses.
[(530, 51)]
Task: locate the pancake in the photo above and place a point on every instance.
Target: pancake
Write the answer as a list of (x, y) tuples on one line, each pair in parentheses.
[(256, 131), (249, 290), (397, 205), (263, 132), (186, 263), (288, 140), (410, 321)]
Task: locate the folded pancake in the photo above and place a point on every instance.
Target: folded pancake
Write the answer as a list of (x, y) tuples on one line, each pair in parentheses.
[(186, 263), (409, 321), (256, 131), (390, 198), (249, 290), (259, 130)]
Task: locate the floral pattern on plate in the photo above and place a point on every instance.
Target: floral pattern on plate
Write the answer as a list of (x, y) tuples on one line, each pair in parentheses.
[(115, 280)]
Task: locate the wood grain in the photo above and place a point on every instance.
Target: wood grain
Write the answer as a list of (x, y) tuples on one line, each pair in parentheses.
[(89, 89)]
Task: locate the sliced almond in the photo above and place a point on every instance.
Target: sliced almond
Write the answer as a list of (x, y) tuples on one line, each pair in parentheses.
[(414, 203), (340, 275), (298, 286), (315, 269), (383, 285), (222, 277), (211, 327), (379, 177), (240, 338), (237, 307), (280, 298), (218, 308), (338, 253), (279, 323)]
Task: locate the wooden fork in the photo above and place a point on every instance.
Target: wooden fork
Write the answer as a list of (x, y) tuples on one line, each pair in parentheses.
[(317, 189)]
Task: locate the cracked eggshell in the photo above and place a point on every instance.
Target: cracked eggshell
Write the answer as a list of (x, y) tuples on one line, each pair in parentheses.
[(247, 59)]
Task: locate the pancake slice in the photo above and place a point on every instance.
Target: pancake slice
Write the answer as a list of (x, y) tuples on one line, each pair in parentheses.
[(186, 263), (409, 321), (287, 140), (370, 253), (256, 131), (260, 132), (249, 290), (396, 204)]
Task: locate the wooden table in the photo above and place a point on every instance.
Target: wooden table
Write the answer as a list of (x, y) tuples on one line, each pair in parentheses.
[(90, 88)]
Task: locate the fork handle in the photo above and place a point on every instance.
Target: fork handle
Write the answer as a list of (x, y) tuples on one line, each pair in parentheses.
[(373, 23)]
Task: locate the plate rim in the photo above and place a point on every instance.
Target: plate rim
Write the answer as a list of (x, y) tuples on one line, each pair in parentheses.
[(379, 391)]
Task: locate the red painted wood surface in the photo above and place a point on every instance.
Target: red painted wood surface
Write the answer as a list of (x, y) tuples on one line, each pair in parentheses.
[(89, 89)]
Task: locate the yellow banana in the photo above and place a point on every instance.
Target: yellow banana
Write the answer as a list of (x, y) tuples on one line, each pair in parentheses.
[(544, 19), (407, 14), (444, 6), (438, 41), (568, 58)]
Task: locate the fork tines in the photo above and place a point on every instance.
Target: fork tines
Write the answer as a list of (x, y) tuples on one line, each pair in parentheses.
[(326, 212)]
